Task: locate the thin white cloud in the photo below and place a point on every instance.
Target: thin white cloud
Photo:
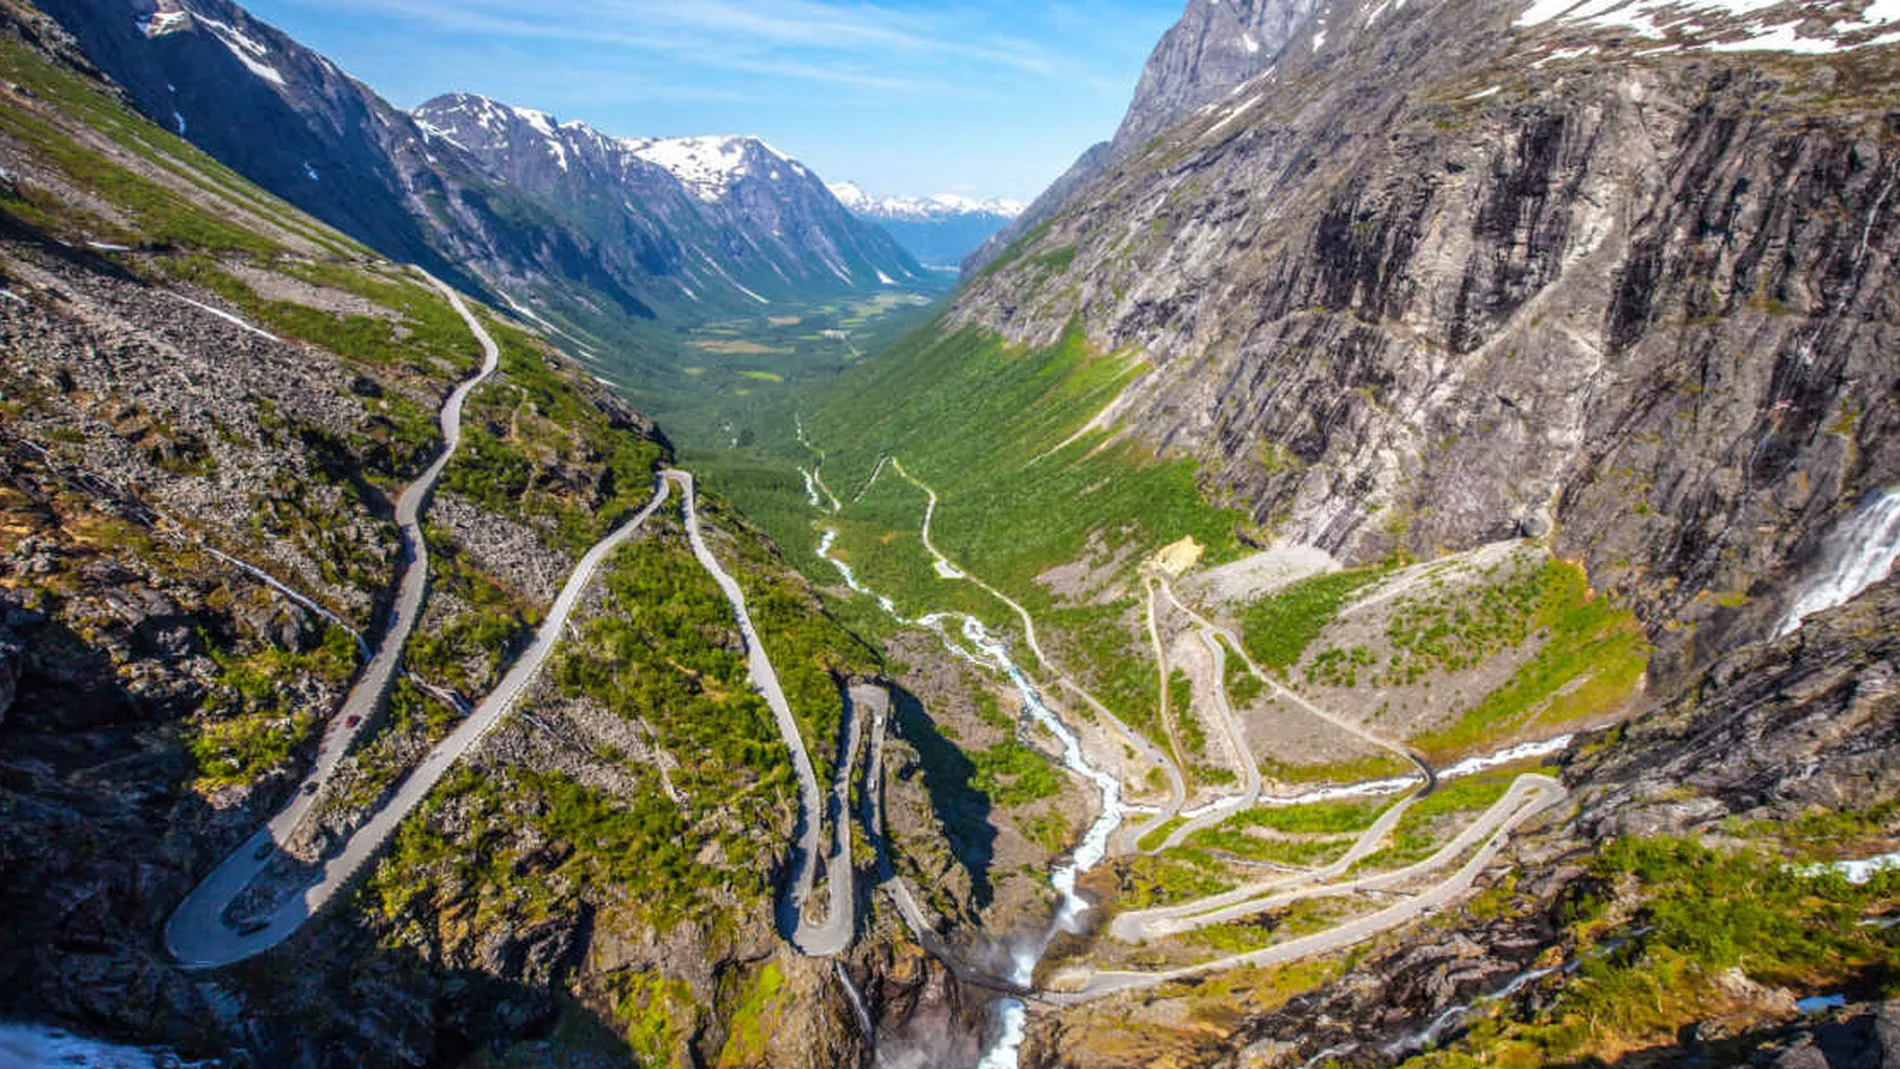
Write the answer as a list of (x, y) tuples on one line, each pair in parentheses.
[(856, 44)]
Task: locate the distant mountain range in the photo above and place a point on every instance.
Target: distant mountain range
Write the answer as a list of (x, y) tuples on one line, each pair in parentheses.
[(614, 243), (939, 230)]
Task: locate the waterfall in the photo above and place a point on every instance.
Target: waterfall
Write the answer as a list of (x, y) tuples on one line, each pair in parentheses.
[(857, 1006), (1011, 1015), (38, 1045), (1094, 845), (1855, 557), (1012, 1019)]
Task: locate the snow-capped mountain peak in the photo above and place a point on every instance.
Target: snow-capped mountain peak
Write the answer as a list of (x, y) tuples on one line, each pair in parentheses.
[(936, 206), (710, 166)]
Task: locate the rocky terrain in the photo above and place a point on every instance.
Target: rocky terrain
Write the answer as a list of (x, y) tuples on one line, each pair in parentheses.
[(1429, 379), (1432, 280), (1216, 46), (209, 403), (1787, 748)]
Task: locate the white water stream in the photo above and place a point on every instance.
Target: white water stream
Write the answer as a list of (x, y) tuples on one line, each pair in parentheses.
[(1858, 555), (32, 1046), (1011, 1018)]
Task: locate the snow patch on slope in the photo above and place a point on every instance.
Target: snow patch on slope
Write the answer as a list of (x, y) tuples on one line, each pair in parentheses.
[(708, 166), (1725, 25), (172, 17)]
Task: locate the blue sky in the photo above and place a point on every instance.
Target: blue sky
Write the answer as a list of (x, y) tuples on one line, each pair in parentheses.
[(979, 97)]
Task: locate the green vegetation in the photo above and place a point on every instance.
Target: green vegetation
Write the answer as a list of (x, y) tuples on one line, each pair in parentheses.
[(1188, 727), (1702, 912), (982, 422), (667, 655), (1012, 774), (1381, 765), (1056, 262), (1339, 667), (1278, 926), (1823, 834), (810, 650), (250, 724), (1318, 818), (412, 714), (1278, 629), (524, 429), (181, 164), (1298, 835), (658, 1015), (881, 537), (1051, 831), (754, 1019), (1457, 629), (1181, 876), (1154, 839), (638, 849), (421, 333), (1593, 658), (1243, 687), (1418, 834), (468, 650), (1301, 852), (158, 214), (1097, 644)]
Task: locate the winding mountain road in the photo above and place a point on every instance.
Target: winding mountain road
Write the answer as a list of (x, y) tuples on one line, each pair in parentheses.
[(1282, 691), (1529, 796), (1531, 790), (1249, 794), (835, 932), (196, 933), (948, 569)]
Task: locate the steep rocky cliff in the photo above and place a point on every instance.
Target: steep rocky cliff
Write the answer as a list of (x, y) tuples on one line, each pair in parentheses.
[(1440, 284), (1436, 278), (1217, 45)]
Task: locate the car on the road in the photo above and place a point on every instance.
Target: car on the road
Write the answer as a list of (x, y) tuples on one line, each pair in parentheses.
[(352, 721), (311, 788)]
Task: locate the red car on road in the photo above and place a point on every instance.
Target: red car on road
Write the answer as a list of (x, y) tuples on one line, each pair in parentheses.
[(352, 721)]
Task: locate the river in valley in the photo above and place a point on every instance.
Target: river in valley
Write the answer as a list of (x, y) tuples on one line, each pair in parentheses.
[(974, 643)]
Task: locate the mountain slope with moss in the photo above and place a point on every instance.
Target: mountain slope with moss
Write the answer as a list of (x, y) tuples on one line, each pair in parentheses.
[(209, 404)]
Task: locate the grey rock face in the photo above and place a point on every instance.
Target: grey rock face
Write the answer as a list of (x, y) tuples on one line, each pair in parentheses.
[(1217, 45), (1091, 165), (1389, 306)]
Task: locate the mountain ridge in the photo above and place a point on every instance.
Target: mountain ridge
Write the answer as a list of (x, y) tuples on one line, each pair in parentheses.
[(607, 268), (1213, 48)]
